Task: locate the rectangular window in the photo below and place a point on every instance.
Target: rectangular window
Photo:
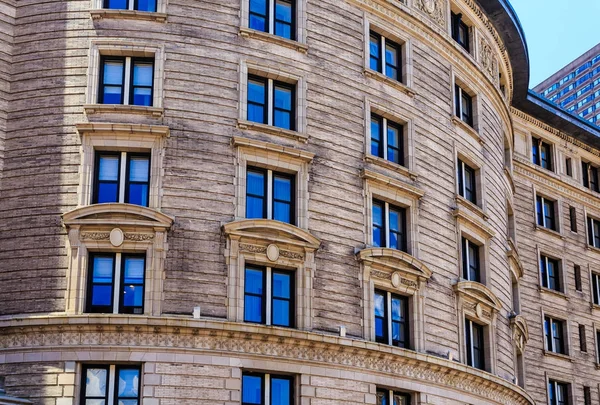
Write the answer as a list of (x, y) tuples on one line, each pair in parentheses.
[(460, 31), (139, 5), (550, 273), (270, 195), (554, 331), (587, 396), (596, 288), (593, 232), (573, 218), (546, 213), (589, 176), (558, 393), (475, 342), (391, 319), (100, 381), (126, 80), (467, 182), (541, 153), (387, 139), (271, 102), (116, 283), (385, 56), (273, 16), (471, 261), (269, 296), (577, 271), (463, 104), (391, 397), (389, 226), (569, 167), (267, 389), (582, 339), (110, 170)]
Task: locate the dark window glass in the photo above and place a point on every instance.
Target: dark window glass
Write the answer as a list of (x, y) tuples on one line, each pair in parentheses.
[(535, 151), (95, 384), (132, 282), (282, 390), (573, 218), (467, 183), (140, 5), (283, 190), (257, 100), (594, 232), (471, 267), (475, 344), (138, 179), (397, 224), (107, 177), (112, 78), (101, 282), (460, 31), (394, 314), (392, 60), (283, 115), (545, 156), (375, 51), (256, 194), (390, 148), (254, 295), (381, 323), (376, 136), (558, 393), (596, 288), (463, 103), (259, 15), (284, 14), (127, 386), (281, 197), (545, 213), (577, 271), (587, 396), (282, 307), (145, 5), (116, 4), (379, 224), (382, 49), (553, 330), (399, 314), (582, 339), (590, 176), (252, 389), (142, 74), (395, 144), (395, 238), (383, 397), (550, 273)]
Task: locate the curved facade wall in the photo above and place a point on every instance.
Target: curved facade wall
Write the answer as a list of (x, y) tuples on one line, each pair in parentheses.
[(194, 234)]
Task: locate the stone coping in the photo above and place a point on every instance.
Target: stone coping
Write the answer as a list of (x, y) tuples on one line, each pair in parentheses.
[(45, 332)]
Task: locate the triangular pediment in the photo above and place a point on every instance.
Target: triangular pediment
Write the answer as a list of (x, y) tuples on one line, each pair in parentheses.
[(271, 231), (394, 260), (117, 214)]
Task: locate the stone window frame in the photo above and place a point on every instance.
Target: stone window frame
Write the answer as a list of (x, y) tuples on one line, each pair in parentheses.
[(383, 28), (479, 304), (552, 313), (115, 228), (408, 133), (127, 48), (554, 376), (554, 149), (475, 130), (398, 193), (470, 22), (564, 292), (97, 11), (558, 212), (520, 337), (121, 138), (587, 215), (282, 75), (301, 27), (596, 328), (112, 383), (271, 156), (477, 163)]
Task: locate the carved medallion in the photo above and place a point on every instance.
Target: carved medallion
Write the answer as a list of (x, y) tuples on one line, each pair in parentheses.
[(479, 311), (396, 279), (434, 9), (272, 252), (116, 237)]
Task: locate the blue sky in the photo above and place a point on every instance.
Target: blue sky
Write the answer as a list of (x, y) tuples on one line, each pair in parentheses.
[(557, 32)]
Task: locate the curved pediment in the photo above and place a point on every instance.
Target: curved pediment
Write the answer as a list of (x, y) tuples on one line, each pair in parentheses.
[(272, 231), (479, 293), (395, 260), (117, 214), (519, 324)]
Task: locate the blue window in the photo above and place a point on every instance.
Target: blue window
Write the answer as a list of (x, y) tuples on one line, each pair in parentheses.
[(102, 276), (550, 273), (113, 72), (139, 5), (390, 397), (558, 393), (389, 226), (96, 380), (273, 16), (385, 56), (387, 139), (254, 385), (582, 68), (267, 96), (391, 319), (108, 178), (274, 202), (541, 153), (546, 215), (269, 296)]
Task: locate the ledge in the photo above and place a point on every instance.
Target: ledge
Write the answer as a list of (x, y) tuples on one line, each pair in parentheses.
[(558, 355), (271, 230), (273, 39), (99, 14), (237, 141), (553, 292), (385, 180), (117, 214), (476, 209), (395, 259), (461, 213), (478, 292), (108, 334), (467, 128), (376, 160), (123, 109), (390, 82), (592, 248), (123, 129), (270, 129), (548, 231)]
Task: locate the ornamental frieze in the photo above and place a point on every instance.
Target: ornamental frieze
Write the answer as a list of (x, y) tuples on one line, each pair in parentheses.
[(488, 61), (434, 9), (246, 247), (95, 235)]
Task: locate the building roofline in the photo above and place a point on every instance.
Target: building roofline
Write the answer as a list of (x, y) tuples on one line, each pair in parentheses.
[(570, 67), (505, 20)]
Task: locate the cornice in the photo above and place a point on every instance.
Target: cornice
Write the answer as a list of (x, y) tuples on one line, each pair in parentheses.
[(399, 260), (111, 332), (238, 141)]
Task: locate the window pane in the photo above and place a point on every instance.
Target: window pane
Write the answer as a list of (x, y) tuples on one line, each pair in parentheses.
[(254, 207), (374, 51), (128, 401), (103, 269), (258, 6), (282, 119), (393, 140), (280, 391), (282, 188), (253, 309), (254, 281), (134, 270), (108, 168), (95, 402), (117, 4), (138, 194), (101, 295), (281, 212), (256, 91), (397, 309), (95, 383), (113, 72), (255, 186), (376, 137), (133, 296), (283, 19), (112, 95), (142, 96), (382, 397), (128, 383), (251, 389), (378, 224), (256, 113), (281, 312), (379, 305), (146, 5), (281, 285), (257, 23), (142, 74), (138, 168)]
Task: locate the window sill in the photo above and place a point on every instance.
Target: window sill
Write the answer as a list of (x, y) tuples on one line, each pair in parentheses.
[(558, 355), (549, 231), (553, 292), (269, 129), (460, 200), (274, 39), (99, 14), (391, 165), (467, 128), (592, 248), (122, 109), (390, 82)]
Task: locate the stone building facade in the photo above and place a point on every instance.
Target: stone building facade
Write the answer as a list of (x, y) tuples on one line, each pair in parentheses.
[(412, 255)]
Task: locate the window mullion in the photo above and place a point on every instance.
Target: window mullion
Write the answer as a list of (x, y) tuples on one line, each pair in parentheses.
[(387, 224), (464, 177), (130, 4), (267, 396), (468, 259), (384, 137), (460, 106), (389, 317), (271, 12), (383, 61), (270, 101), (547, 268), (117, 284), (472, 348), (270, 190), (269, 296), (122, 176), (111, 384), (127, 81)]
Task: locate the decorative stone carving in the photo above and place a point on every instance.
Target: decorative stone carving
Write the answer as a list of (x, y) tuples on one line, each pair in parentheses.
[(272, 252), (488, 61), (434, 9), (116, 237), (291, 255), (139, 237), (244, 247), (381, 275), (95, 235)]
